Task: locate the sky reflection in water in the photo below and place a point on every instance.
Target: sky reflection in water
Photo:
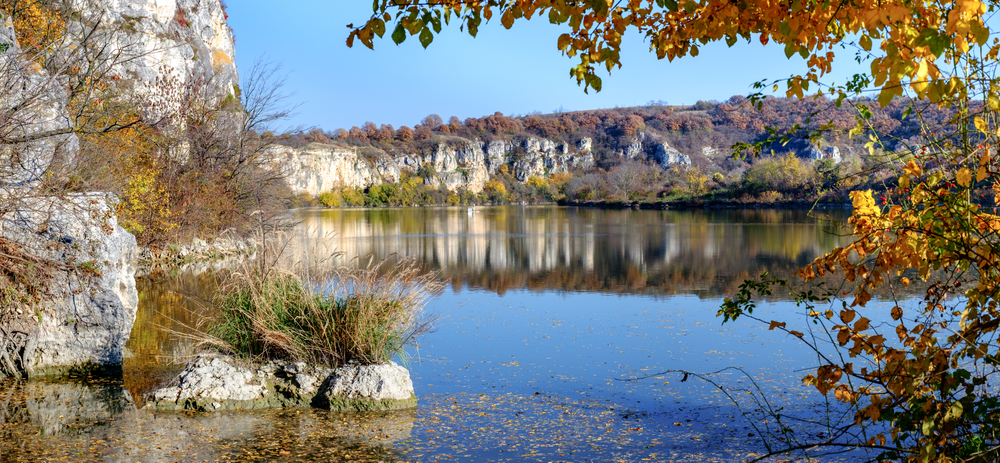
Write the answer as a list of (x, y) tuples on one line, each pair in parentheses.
[(549, 310)]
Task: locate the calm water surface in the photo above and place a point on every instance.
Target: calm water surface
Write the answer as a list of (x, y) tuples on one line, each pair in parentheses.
[(551, 315)]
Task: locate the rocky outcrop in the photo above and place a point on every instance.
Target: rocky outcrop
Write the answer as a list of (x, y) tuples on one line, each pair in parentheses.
[(173, 43), (34, 104), (669, 157), (221, 383), (367, 387), (316, 168), (455, 163), (634, 149), (543, 157), (88, 318), (88, 314), (817, 152)]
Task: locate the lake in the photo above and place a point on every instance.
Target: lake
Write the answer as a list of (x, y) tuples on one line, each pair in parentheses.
[(552, 343)]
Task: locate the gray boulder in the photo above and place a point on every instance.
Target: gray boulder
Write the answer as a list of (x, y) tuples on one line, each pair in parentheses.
[(368, 387), (89, 317), (221, 383)]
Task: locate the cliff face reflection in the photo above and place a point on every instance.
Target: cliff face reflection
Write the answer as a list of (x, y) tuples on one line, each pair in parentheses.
[(708, 253)]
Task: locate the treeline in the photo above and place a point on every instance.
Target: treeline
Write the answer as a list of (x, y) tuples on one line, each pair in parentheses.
[(784, 129), (687, 128)]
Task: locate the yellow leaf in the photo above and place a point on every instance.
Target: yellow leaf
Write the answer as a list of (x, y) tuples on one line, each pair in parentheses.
[(963, 177), (776, 324), (866, 42), (980, 124), (847, 315), (954, 411)]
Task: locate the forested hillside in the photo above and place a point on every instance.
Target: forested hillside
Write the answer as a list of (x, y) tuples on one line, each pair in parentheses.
[(647, 153)]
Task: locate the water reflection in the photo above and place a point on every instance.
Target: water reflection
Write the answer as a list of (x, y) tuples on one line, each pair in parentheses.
[(94, 419), (704, 252), (529, 376)]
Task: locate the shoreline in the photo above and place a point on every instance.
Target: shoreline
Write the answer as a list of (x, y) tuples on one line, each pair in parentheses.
[(700, 204), (662, 205)]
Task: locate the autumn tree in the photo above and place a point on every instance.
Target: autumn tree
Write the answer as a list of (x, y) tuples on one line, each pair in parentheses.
[(404, 134), (432, 121)]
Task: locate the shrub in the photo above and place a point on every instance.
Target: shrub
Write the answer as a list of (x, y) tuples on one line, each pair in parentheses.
[(330, 199), (696, 181), (353, 197), (496, 191), (366, 314), (770, 197), (537, 182), (784, 173)]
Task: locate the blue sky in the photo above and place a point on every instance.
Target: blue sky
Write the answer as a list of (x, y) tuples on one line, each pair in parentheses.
[(514, 71)]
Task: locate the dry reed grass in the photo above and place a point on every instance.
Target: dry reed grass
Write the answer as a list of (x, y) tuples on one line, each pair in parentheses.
[(365, 313)]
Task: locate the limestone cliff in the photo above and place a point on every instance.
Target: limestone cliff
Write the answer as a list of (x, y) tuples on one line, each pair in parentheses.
[(174, 46), (456, 163), (152, 45)]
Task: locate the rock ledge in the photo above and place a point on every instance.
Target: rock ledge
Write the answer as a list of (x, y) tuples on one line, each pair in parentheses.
[(211, 383)]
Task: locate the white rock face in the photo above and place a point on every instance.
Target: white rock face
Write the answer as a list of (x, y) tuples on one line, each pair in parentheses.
[(459, 164), (815, 152), (179, 41), (496, 154), (634, 149), (669, 157), (443, 159), (543, 157), (377, 382), (92, 309), (316, 168), (216, 379), (33, 103), (90, 316)]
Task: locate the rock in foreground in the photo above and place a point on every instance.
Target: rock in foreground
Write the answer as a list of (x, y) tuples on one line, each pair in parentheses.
[(222, 383), (88, 317)]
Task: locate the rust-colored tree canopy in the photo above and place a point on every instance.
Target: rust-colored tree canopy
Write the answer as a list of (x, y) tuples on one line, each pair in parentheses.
[(910, 44)]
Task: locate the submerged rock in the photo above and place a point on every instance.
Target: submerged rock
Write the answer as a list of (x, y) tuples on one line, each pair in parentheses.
[(222, 383)]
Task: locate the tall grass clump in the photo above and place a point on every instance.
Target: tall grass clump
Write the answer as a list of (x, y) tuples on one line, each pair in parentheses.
[(367, 314)]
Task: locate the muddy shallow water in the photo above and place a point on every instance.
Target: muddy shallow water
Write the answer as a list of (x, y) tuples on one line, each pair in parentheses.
[(552, 343)]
